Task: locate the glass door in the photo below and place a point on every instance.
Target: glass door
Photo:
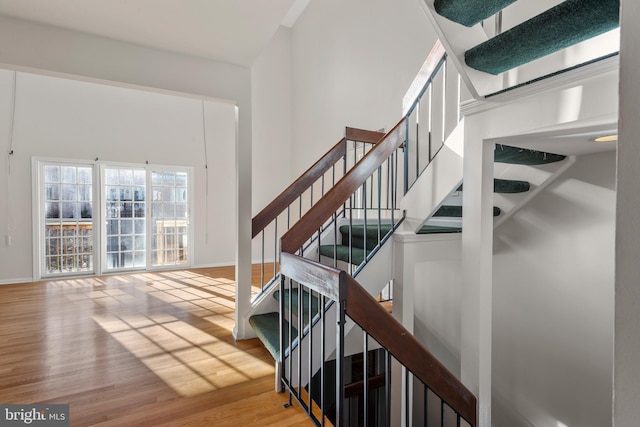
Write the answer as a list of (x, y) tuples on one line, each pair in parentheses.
[(169, 218), (125, 214), (66, 221)]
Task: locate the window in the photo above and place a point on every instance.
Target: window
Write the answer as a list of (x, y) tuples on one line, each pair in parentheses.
[(169, 217), (67, 226), (143, 211), (125, 208)]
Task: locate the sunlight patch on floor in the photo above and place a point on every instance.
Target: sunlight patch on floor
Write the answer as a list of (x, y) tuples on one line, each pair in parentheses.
[(187, 359)]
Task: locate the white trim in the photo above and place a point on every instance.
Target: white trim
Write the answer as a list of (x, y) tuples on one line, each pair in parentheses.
[(559, 81), (36, 211)]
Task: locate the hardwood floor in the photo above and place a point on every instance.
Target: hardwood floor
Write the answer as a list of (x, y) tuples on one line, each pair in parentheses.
[(146, 349)]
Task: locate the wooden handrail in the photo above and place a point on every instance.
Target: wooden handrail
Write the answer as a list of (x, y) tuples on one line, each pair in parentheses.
[(426, 72), (363, 135), (390, 334), (342, 190), (299, 186)]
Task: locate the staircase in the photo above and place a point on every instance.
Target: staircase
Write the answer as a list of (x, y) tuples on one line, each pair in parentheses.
[(536, 47), (450, 214), (319, 306)]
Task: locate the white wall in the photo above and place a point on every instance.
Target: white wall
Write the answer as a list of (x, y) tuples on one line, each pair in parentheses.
[(553, 302), (67, 119), (27, 46), (271, 127), (352, 64)]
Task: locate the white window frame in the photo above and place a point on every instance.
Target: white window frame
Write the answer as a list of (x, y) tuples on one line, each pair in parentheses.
[(38, 220), (99, 217), (149, 232)]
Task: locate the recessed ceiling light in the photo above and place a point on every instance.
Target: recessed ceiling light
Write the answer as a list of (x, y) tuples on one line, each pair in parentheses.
[(607, 138)]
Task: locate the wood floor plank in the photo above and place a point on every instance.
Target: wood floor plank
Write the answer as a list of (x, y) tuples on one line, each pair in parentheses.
[(141, 349)]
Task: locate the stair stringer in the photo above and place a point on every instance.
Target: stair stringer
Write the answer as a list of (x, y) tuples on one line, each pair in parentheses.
[(442, 176), (544, 180)]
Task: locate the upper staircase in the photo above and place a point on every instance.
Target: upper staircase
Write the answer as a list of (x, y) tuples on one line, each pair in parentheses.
[(489, 39)]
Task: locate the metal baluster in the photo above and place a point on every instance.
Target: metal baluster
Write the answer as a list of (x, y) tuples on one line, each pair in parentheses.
[(282, 332), (406, 158), (350, 232), (364, 200), (319, 234), (417, 139), (394, 164), (430, 124), (340, 359), (310, 376), (335, 240), (379, 207), (387, 386), (290, 319), (300, 216), (300, 331), (441, 413), (365, 378), (426, 405), (276, 253), (262, 262), (290, 322), (321, 304), (406, 397)]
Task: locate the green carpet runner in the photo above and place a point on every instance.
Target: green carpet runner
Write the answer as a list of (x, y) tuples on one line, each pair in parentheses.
[(469, 12), (267, 328), (564, 25)]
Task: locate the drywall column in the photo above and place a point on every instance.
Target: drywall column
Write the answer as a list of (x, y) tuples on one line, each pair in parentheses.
[(243, 232), (477, 267), (626, 378)]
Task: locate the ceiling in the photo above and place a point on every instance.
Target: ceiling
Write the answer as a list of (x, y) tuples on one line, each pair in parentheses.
[(233, 31)]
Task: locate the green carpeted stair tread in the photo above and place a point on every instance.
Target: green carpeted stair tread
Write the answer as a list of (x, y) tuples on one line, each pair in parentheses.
[(358, 233), (267, 327), (342, 253), (564, 25), (456, 211), (371, 230), (294, 301), (436, 229), (524, 156), (507, 186), (469, 12), (510, 186)]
